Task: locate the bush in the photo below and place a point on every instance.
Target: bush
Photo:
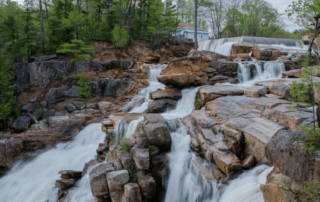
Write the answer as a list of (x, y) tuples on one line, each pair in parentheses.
[(124, 144), (197, 103)]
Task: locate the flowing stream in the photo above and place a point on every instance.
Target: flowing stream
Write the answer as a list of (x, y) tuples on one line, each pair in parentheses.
[(34, 181)]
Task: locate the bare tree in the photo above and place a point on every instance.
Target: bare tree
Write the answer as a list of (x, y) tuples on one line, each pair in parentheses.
[(130, 15)]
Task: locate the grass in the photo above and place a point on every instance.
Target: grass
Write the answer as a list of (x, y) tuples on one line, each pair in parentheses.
[(197, 103), (124, 144)]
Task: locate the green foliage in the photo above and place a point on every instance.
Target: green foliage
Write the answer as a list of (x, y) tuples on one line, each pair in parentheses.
[(83, 82), (308, 191), (303, 92), (39, 113), (45, 121), (197, 103), (120, 36), (229, 67), (124, 144), (8, 106), (78, 48), (132, 169)]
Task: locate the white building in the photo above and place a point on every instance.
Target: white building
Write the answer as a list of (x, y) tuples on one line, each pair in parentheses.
[(186, 30)]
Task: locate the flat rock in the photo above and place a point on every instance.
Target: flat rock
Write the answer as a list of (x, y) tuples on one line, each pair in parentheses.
[(128, 117), (70, 174), (256, 91), (104, 107), (170, 93)]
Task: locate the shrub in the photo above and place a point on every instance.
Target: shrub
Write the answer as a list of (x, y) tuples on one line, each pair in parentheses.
[(197, 103)]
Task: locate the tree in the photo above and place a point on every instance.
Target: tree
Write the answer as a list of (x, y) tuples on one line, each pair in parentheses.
[(195, 24), (120, 36), (8, 106), (83, 82), (78, 48), (42, 32)]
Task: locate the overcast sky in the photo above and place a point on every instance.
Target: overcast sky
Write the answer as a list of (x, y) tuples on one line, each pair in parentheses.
[(281, 5)]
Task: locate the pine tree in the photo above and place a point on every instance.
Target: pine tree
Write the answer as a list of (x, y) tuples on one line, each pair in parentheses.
[(8, 106), (120, 36)]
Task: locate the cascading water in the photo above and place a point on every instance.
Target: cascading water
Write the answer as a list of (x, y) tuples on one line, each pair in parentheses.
[(251, 72), (223, 46), (153, 86), (34, 181)]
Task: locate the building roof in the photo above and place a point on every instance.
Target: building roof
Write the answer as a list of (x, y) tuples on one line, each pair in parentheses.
[(187, 25)]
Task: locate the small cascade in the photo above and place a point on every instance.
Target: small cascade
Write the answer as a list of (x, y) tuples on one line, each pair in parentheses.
[(153, 86), (34, 181), (250, 72), (186, 183), (223, 46)]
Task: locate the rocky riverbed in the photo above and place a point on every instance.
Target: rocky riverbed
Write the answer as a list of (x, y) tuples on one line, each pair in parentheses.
[(199, 122)]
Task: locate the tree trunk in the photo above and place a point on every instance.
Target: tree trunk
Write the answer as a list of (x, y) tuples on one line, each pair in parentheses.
[(195, 24), (46, 5), (42, 33)]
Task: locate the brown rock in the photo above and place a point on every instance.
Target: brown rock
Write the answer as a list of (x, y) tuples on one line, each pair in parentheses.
[(71, 174), (209, 170), (147, 184), (256, 91), (116, 181), (159, 106), (170, 93), (98, 181), (132, 192), (141, 158), (248, 162), (128, 117), (226, 161), (64, 183)]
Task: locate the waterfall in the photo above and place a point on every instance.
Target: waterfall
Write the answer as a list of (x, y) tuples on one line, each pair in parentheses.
[(153, 86), (223, 46), (251, 72), (34, 181)]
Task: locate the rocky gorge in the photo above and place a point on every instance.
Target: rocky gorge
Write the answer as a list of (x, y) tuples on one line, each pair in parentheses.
[(180, 125)]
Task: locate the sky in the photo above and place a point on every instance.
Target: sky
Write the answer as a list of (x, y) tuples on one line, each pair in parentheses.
[(281, 5)]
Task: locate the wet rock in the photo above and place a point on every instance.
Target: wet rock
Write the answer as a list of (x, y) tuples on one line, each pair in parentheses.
[(147, 184), (9, 149), (88, 165), (256, 91), (70, 174), (70, 107), (136, 101), (132, 192), (127, 117), (159, 106), (285, 152), (64, 183), (240, 57), (116, 181), (170, 93), (98, 181), (243, 47), (209, 170), (141, 158), (157, 131), (33, 100), (248, 162), (21, 123)]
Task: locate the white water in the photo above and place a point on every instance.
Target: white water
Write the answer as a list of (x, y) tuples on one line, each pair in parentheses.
[(153, 86), (223, 46), (34, 181), (269, 71)]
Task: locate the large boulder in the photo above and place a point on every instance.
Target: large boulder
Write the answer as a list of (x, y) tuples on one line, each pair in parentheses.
[(141, 158), (157, 131), (159, 106), (285, 152), (116, 181), (132, 193), (243, 47), (104, 107), (225, 160), (64, 183), (21, 123), (267, 53), (98, 181), (169, 93)]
